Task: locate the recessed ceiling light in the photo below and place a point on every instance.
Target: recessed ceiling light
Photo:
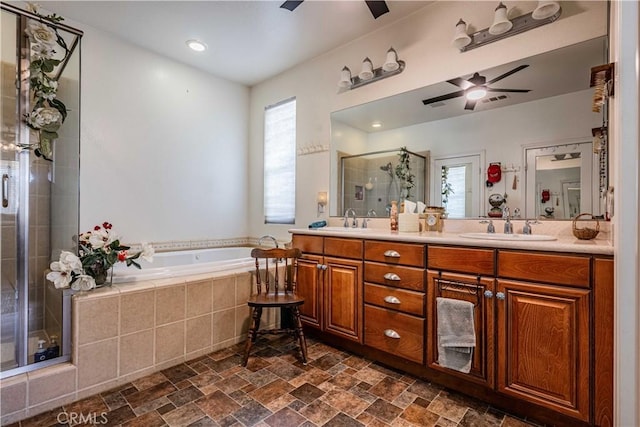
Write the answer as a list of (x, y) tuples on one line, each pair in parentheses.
[(376, 125), (196, 45)]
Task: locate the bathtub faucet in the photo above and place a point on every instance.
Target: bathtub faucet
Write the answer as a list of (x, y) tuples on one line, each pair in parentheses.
[(273, 239)]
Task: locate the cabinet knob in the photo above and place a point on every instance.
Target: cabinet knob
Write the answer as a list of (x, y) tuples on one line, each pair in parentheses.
[(319, 266), (324, 267), (391, 299), (391, 334), (500, 295), (391, 254), (488, 294), (392, 276)]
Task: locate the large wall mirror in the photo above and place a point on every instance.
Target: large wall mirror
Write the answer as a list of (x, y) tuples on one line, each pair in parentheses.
[(539, 131)]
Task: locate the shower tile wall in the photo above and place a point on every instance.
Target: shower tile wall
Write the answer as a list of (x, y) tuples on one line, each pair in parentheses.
[(360, 171)]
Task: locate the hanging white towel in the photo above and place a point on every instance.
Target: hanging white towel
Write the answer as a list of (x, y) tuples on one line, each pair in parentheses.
[(456, 334)]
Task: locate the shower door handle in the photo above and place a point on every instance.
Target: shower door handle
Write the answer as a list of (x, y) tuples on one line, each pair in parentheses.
[(5, 190)]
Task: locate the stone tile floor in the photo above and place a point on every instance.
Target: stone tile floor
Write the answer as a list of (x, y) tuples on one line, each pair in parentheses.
[(334, 389)]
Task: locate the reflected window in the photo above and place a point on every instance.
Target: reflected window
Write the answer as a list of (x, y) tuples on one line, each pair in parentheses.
[(459, 185)]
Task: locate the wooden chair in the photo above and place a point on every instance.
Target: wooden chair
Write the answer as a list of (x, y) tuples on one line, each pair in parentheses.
[(276, 275)]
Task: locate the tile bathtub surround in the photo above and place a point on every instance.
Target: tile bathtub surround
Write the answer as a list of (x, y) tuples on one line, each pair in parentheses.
[(275, 389), (128, 331)]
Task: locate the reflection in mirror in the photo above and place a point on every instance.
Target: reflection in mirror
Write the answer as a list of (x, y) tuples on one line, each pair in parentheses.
[(371, 181), (557, 107), (456, 185), (561, 178)]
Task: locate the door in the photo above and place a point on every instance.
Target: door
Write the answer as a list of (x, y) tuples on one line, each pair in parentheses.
[(343, 298), (309, 286), (478, 291), (544, 345)]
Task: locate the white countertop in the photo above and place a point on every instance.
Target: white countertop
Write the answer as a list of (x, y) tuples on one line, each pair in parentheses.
[(565, 242)]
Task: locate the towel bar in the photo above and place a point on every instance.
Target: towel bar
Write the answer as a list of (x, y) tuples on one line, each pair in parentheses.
[(459, 286)]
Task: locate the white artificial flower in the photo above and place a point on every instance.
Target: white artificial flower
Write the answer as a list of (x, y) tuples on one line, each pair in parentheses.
[(84, 282), (41, 33), (60, 279), (147, 252), (33, 7), (45, 117), (41, 51), (71, 261), (100, 238)]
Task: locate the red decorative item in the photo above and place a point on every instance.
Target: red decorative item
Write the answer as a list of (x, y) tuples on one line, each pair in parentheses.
[(546, 195), (494, 173)]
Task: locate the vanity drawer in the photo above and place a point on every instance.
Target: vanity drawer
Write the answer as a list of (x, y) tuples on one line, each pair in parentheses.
[(394, 275), (395, 253), (393, 332), (396, 299), (463, 260), (569, 270), (308, 244), (343, 248)]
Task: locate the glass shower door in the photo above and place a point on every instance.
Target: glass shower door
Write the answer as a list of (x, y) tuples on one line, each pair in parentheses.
[(40, 194)]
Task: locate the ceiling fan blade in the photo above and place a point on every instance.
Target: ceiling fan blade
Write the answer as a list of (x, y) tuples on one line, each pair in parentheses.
[(291, 4), (507, 74), (470, 105), (443, 97), (377, 8), (508, 90), (461, 83)]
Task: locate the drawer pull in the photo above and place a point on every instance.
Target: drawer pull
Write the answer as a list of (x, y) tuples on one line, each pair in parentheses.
[(391, 299), (391, 334), (391, 254), (500, 295), (392, 276), (488, 294)]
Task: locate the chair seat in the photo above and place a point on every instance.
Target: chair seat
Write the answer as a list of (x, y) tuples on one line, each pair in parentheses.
[(273, 300)]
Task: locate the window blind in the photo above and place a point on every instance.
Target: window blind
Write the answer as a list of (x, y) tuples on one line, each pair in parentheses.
[(280, 163)]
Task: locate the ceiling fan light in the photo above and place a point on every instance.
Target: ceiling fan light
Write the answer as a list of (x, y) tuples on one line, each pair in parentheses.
[(367, 70), (476, 92), (196, 45), (345, 78), (545, 9), (391, 63), (461, 38), (501, 23)]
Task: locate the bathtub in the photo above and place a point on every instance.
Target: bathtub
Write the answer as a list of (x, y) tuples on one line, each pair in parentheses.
[(184, 263)]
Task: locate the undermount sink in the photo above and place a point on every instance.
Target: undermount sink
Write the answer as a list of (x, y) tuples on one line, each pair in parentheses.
[(510, 237), (344, 229)]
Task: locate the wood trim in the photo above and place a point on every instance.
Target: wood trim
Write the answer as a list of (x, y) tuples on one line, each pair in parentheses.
[(603, 319)]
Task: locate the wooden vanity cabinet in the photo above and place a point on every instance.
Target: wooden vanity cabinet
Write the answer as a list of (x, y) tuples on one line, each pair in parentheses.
[(544, 339), (330, 280), (394, 296)]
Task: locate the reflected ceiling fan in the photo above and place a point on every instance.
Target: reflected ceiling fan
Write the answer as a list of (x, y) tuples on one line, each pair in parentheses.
[(476, 88), (377, 7)]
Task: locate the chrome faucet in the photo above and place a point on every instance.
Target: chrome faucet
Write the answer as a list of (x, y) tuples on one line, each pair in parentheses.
[(508, 226), (526, 229), (273, 239), (354, 223), (370, 213), (490, 227)]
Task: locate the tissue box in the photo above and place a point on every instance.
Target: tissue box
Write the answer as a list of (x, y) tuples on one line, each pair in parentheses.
[(409, 222)]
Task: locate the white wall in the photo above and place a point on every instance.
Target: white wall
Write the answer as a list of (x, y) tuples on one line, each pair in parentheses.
[(423, 41), (164, 146)]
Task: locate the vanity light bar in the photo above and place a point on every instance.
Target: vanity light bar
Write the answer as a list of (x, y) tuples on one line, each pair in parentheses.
[(520, 25), (378, 74)]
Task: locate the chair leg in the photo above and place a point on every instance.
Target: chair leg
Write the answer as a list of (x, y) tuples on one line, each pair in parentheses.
[(300, 333), (256, 313)]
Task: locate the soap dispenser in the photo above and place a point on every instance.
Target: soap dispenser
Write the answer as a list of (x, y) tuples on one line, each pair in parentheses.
[(53, 350), (41, 352)]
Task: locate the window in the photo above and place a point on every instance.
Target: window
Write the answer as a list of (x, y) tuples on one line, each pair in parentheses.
[(280, 163), (457, 185)]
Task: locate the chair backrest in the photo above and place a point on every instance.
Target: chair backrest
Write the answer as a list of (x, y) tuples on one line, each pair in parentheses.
[(276, 269)]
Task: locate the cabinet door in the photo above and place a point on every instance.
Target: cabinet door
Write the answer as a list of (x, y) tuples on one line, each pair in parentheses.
[(544, 345), (310, 275), (343, 298), (472, 289)]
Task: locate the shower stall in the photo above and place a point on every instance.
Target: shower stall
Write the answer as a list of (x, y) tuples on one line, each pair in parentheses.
[(39, 165)]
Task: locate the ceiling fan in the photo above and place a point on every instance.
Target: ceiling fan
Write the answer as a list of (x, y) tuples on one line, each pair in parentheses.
[(475, 88), (377, 7)]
